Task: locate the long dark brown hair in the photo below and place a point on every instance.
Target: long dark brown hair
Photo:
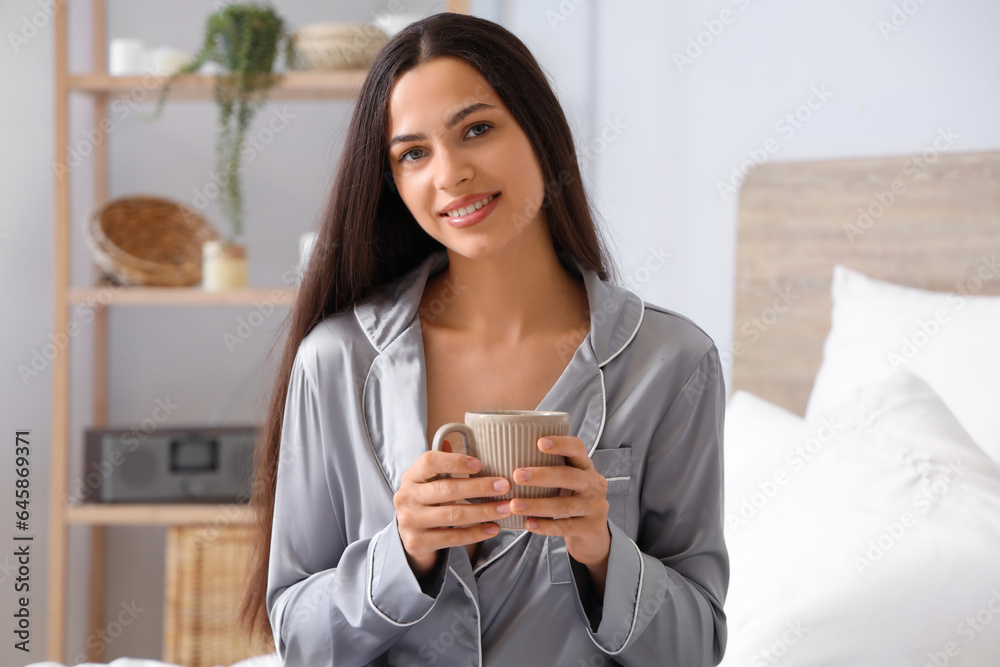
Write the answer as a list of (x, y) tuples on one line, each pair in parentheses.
[(369, 238)]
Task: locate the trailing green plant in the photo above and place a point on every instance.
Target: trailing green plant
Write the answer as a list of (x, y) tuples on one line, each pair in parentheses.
[(243, 38)]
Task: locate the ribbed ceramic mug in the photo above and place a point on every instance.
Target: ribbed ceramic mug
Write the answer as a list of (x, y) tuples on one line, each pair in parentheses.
[(503, 441)]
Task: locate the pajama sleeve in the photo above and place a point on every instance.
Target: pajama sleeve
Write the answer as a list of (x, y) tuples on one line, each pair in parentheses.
[(664, 592), (331, 602)]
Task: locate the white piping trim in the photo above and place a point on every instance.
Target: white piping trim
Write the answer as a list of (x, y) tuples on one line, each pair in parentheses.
[(479, 615), (604, 410), (642, 313), (483, 566), (590, 454), (364, 420), (642, 565), (371, 577), (635, 610), (364, 397)]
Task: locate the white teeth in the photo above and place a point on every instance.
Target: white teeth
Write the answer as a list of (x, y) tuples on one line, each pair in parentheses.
[(459, 212)]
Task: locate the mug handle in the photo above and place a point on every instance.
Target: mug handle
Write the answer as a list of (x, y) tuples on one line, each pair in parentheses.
[(444, 432)]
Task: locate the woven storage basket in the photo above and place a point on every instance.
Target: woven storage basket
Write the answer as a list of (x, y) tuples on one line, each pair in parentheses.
[(146, 240), (334, 46), (207, 574)]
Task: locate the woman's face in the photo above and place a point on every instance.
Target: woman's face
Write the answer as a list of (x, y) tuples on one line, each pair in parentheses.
[(453, 143)]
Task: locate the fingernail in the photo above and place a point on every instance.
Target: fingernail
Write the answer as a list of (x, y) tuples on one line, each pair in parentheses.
[(500, 485), (519, 505), (503, 508), (491, 529), (473, 464), (545, 443), (522, 475)]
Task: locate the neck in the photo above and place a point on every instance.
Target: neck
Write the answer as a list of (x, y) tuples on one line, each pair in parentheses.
[(507, 297)]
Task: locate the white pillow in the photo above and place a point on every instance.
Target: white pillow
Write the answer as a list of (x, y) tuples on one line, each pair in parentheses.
[(870, 538), (752, 428), (951, 340)]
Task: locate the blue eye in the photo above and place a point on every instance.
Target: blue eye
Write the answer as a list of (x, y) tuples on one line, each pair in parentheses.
[(402, 158), (487, 126)]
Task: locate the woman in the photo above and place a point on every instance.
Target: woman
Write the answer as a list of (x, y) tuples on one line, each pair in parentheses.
[(458, 268)]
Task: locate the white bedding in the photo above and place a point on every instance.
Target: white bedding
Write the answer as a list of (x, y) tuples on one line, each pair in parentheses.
[(950, 340), (871, 536)]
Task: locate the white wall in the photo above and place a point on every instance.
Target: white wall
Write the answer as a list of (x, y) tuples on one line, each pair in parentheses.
[(691, 93), (670, 136)]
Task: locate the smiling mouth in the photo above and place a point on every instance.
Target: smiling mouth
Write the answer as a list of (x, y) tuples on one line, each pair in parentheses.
[(471, 208)]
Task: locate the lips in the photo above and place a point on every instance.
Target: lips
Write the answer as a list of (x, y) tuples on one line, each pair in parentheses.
[(476, 216), (466, 202)]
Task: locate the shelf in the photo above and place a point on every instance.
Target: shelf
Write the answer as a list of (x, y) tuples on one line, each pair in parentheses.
[(318, 85), (105, 94), (180, 296), (159, 515)]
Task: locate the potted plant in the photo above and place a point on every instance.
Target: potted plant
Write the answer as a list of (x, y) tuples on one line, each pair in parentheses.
[(243, 39)]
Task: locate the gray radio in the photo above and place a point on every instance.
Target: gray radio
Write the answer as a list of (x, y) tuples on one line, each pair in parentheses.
[(170, 465)]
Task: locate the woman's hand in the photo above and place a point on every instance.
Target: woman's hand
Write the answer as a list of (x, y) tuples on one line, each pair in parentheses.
[(580, 513), (427, 515)]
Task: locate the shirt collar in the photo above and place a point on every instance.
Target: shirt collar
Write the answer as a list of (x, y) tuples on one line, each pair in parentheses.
[(615, 312)]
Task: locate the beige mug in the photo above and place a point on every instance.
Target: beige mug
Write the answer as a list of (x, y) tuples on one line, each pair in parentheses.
[(503, 441)]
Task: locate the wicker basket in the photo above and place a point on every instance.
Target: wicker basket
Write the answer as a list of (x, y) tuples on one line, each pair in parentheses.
[(207, 574), (334, 46), (146, 240)]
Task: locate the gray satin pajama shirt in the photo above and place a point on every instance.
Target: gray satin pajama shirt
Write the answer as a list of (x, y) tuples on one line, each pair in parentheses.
[(646, 395)]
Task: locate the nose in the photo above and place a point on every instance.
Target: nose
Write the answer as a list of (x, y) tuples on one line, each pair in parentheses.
[(451, 168)]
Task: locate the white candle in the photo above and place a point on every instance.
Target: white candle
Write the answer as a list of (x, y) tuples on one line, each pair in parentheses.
[(125, 57), (223, 268)]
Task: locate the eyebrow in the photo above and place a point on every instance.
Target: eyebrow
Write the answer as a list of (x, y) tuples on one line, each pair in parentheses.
[(452, 122)]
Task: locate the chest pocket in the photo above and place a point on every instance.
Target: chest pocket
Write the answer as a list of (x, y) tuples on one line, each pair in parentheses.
[(616, 466)]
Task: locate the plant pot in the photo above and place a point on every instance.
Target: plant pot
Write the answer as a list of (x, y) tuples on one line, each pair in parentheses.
[(223, 266)]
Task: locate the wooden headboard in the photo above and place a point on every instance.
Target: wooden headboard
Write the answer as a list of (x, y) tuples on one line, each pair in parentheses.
[(929, 221)]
